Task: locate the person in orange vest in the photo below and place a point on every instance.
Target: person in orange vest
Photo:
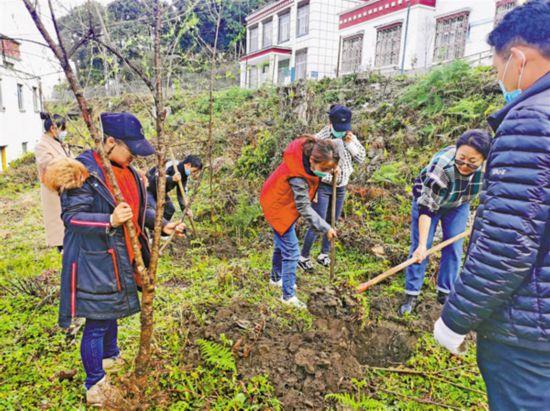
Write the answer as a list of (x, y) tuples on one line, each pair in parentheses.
[(286, 195)]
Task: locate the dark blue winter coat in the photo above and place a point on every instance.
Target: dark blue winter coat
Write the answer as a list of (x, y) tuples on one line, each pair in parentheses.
[(503, 291), (97, 279)]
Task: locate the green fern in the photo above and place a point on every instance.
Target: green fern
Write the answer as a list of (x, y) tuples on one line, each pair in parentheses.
[(348, 401), (217, 355)]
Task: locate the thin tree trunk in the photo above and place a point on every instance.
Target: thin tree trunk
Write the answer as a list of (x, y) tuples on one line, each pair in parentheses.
[(148, 296), (61, 54), (211, 120)]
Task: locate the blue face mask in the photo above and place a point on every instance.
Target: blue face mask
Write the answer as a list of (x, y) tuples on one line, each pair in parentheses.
[(187, 172), (510, 96), (338, 134), (320, 174)]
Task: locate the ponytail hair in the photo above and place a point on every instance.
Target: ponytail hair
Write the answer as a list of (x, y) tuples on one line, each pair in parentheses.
[(51, 119)]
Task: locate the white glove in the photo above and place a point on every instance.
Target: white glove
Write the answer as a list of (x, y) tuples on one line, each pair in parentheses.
[(448, 338)]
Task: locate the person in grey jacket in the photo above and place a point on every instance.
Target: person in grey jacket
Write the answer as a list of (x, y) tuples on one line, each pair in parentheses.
[(503, 292), (286, 196), (350, 151)]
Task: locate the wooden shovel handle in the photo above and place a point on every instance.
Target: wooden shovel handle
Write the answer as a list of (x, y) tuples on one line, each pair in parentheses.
[(182, 190), (365, 286), (333, 225)]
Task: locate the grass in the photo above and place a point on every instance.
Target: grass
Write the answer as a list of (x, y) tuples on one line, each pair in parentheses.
[(35, 351), (231, 258)]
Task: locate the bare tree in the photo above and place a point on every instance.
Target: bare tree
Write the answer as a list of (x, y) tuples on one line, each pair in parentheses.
[(215, 11), (148, 275)]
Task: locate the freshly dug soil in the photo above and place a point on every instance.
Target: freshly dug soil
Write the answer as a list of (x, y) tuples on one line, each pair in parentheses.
[(305, 365)]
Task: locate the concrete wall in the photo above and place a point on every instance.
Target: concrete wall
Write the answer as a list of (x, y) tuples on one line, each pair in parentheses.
[(18, 126)]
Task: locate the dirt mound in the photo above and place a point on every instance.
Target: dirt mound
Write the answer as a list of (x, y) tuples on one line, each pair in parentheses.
[(305, 364)]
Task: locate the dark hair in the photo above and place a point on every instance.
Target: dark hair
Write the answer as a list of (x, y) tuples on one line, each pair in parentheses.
[(478, 139), (51, 119), (527, 24), (195, 161), (322, 152)]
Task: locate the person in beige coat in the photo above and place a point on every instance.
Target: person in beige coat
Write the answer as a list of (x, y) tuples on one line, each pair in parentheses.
[(51, 147)]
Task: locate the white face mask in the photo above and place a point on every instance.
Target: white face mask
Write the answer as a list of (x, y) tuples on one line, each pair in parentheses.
[(62, 135)]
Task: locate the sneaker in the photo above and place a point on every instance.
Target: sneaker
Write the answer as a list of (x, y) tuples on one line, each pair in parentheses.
[(113, 364), (408, 305), (278, 283), (324, 260), (102, 394), (294, 302), (442, 297), (305, 264)]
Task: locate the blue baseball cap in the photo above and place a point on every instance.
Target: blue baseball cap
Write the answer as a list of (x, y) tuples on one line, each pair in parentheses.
[(126, 127), (340, 118)]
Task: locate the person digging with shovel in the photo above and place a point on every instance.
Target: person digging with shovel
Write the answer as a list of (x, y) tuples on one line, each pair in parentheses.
[(98, 279), (286, 195), (350, 151), (184, 171), (442, 193)]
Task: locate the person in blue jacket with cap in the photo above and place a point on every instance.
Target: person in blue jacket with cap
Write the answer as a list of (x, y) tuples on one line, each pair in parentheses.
[(503, 291), (99, 280)]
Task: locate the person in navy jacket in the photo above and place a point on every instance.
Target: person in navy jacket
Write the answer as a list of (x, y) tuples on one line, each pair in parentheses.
[(503, 292), (99, 280)]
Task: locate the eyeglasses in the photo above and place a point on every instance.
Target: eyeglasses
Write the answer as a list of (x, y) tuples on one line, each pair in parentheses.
[(471, 166)]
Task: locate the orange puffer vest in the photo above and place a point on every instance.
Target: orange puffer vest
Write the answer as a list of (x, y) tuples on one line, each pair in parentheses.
[(277, 198)]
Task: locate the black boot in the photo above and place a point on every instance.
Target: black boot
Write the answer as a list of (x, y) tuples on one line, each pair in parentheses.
[(442, 297), (408, 305)]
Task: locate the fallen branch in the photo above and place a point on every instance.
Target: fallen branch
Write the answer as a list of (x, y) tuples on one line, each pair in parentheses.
[(413, 399), (428, 375)]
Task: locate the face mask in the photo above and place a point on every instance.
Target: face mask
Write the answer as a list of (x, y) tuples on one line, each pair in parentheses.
[(510, 96), (187, 172), (62, 135), (338, 134), (320, 174)]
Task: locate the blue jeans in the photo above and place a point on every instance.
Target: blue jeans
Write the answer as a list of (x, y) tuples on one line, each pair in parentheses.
[(323, 207), (516, 378), (99, 341), (285, 260), (453, 222)]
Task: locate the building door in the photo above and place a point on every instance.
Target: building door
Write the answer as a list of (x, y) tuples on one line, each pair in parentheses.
[(283, 71), (4, 158)]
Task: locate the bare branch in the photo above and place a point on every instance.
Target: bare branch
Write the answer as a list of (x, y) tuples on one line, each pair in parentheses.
[(126, 61)]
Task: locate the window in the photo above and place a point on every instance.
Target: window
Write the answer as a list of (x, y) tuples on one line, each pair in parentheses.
[(388, 46), (20, 97), (301, 64), (450, 37), (253, 42), (352, 48), (24, 147), (267, 39), (302, 23), (35, 99), (284, 27), (283, 71), (253, 77), (503, 7)]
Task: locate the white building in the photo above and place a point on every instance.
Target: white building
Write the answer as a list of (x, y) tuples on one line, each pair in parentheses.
[(382, 35), (390, 35), (290, 40), (20, 103)]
